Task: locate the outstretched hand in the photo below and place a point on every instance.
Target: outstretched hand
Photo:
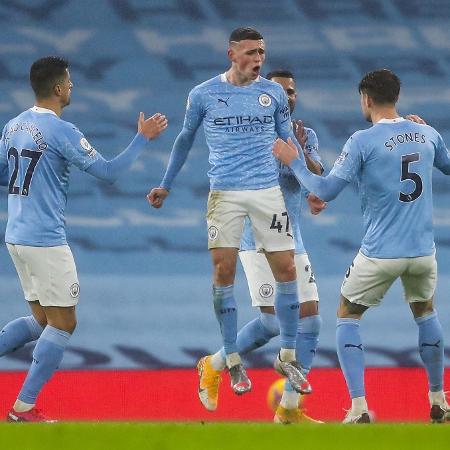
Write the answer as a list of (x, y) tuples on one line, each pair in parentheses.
[(285, 152), (316, 205), (157, 196), (152, 127)]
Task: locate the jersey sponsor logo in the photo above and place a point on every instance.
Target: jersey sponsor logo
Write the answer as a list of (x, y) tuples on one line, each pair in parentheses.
[(75, 290), (266, 290), (243, 120), (213, 232), (285, 113), (264, 100), (88, 147)]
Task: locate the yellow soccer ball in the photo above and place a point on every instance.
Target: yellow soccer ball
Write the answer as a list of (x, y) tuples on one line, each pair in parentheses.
[(275, 393)]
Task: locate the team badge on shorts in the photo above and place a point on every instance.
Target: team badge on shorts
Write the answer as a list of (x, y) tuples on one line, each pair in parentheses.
[(264, 100), (213, 232), (75, 290), (266, 290)]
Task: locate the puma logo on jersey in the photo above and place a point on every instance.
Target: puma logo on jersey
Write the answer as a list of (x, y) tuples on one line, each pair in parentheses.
[(220, 100)]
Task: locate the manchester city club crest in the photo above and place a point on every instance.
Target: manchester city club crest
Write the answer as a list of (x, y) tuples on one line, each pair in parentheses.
[(75, 290), (213, 232), (264, 100), (266, 290)]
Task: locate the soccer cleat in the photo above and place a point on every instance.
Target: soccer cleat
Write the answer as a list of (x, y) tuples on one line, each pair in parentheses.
[(33, 415), (440, 410), (439, 414), (240, 383), (295, 415), (208, 383), (351, 417), (292, 371)]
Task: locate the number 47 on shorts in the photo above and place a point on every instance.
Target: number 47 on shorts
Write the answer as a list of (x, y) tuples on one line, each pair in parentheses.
[(279, 224)]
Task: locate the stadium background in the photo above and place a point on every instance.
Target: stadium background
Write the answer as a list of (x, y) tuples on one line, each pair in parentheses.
[(145, 315)]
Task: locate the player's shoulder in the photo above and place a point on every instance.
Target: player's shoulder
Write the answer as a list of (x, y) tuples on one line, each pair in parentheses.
[(270, 85), (310, 133), (202, 87)]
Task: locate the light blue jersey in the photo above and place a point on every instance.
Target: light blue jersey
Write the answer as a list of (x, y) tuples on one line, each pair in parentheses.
[(39, 148), (240, 125), (392, 163), (293, 194)]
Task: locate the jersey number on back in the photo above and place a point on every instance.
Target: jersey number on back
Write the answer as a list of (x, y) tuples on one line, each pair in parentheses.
[(33, 157), (407, 175)]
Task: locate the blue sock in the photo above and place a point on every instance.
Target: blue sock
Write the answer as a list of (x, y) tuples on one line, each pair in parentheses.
[(307, 340), (256, 333), (17, 333), (226, 313), (431, 348), (351, 355), (47, 356), (286, 307)]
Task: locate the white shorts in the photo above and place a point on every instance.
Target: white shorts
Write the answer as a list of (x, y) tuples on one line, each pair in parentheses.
[(47, 274), (265, 208), (261, 282), (368, 279)]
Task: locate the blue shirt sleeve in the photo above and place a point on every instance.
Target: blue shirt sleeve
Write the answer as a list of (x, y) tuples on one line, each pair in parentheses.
[(326, 188), (4, 172), (111, 170), (312, 146), (76, 148), (283, 123), (442, 156), (183, 143), (349, 163)]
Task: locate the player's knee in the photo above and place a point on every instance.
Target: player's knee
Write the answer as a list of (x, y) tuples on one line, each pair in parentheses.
[(288, 273), (270, 325), (421, 309), (224, 273)]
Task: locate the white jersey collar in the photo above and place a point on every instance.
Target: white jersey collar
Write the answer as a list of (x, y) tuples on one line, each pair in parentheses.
[(40, 110), (223, 78), (396, 120)]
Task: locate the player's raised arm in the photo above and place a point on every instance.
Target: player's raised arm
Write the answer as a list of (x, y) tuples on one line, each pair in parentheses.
[(300, 133), (149, 128), (327, 188)]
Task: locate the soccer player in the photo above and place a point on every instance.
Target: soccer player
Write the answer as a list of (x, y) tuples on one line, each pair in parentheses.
[(260, 281), (242, 113), (37, 149), (392, 163)]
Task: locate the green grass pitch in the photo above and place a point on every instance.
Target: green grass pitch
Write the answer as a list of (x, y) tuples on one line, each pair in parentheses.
[(221, 436)]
